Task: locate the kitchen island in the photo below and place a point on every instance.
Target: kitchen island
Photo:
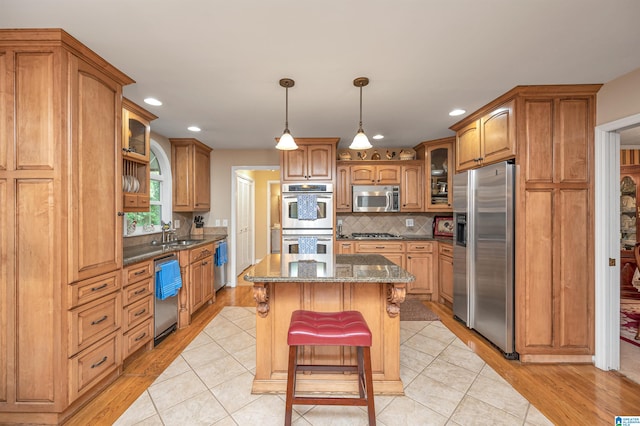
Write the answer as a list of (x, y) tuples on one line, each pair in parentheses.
[(368, 283)]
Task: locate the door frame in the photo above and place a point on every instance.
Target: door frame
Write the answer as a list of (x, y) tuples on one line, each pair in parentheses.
[(269, 183), (233, 279), (607, 246)]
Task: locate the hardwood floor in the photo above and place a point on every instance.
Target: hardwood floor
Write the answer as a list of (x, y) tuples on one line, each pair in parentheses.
[(566, 394)]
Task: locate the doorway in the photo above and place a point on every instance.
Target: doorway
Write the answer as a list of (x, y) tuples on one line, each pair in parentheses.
[(607, 242), (244, 222)]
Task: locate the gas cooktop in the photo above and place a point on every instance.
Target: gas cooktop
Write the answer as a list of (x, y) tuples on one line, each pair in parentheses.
[(375, 235)]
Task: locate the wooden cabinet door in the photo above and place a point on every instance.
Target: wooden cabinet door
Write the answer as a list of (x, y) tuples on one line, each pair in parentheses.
[(207, 279), (181, 172), (421, 266), (363, 175), (468, 146), (201, 180), (445, 272), (196, 290), (411, 192), (95, 228), (345, 248), (439, 168), (294, 164), (397, 258), (388, 175), (320, 160), (498, 134), (343, 189)]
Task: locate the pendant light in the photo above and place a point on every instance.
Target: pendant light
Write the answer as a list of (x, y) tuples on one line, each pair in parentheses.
[(286, 142), (360, 141)]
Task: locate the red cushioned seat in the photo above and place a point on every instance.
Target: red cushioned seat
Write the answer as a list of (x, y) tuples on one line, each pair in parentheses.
[(346, 328)]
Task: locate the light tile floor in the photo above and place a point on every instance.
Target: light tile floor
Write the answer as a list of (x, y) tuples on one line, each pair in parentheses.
[(445, 384)]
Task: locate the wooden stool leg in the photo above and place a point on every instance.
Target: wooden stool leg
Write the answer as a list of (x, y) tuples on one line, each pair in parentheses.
[(361, 372), (291, 384), (371, 409)]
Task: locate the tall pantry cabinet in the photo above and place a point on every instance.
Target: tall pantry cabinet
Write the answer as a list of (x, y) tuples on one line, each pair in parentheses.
[(60, 238)]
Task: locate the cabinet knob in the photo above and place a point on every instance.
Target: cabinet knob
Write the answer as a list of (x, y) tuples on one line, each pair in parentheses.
[(120, 213)]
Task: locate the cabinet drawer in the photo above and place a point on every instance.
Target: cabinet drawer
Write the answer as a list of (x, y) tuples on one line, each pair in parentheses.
[(137, 291), (379, 247), (130, 200), (445, 250), (137, 312), (93, 321), (93, 288), (420, 247), (200, 253), (137, 337), (137, 272), (94, 364)]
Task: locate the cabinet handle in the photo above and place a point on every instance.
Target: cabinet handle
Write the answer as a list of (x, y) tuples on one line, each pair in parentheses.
[(99, 363), (137, 314), (120, 214), (408, 257), (419, 247), (205, 263), (98, 321), (380, 247), (100, 287), (140, 337), (140, 272), (142, 290)]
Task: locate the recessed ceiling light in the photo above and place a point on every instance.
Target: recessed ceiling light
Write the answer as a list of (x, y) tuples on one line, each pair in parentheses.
[(457, 112), (378, 136), (152, 101), (193, 128)]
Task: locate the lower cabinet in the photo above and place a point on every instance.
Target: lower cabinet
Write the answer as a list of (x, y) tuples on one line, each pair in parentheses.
[(138, 307), (445, 272), (417, 257), (420, 264), (197, 281)]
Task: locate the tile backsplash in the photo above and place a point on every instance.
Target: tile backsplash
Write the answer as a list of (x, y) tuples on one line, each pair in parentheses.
[(392, 223)]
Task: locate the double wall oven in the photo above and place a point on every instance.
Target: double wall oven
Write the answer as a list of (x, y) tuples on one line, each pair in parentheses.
[(307, 218)]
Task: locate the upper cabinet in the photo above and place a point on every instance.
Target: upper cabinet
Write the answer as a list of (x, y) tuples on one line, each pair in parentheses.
[(136, 139), (411, 192), (486, 139), (314, 160), (190, 170), (382, 174), (438, 162)]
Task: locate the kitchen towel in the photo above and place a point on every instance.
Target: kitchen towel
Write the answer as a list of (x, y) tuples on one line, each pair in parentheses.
[(307, 245), (168, 280), (307, 207), (220, 256)]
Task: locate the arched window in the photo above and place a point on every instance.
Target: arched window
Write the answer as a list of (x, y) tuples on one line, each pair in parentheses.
[(160, 197)]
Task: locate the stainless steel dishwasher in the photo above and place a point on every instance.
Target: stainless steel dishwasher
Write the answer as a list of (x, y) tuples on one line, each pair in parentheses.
[(220, 265), (165, 318)]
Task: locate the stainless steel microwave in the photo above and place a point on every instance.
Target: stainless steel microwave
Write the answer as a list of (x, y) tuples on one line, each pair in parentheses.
[(376, 198)]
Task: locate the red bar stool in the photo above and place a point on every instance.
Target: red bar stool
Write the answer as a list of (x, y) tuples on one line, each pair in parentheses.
[(346, 328)]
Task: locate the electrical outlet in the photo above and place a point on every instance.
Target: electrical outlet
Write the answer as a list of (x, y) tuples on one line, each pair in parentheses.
[(217, 222), (176, 223), (225, 222), (339, 222), (409, 223)]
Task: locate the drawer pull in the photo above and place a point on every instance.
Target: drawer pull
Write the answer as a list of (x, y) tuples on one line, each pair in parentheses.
[(137, 314), (419, 247), (140, 337), (100, 287), (140, 291), (205, 263), (380, 247), (98, 321), (99, 363), (140, 272)]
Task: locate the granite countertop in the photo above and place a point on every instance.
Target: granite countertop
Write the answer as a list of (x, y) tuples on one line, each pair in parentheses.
[(143, 252), (405, 237), (361, 268)]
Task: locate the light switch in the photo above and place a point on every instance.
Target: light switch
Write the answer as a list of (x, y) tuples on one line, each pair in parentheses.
[(409, 223), (176, 223), (217, 222)]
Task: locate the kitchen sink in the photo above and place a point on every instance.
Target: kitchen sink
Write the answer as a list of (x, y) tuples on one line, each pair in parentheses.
[(184, 242)]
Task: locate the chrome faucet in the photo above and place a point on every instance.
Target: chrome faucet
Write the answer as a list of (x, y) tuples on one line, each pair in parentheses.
[(166, 227)]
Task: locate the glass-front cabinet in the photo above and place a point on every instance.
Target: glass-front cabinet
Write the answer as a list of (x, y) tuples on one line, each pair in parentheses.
[(628, 210), (136, 139), (438, 158)]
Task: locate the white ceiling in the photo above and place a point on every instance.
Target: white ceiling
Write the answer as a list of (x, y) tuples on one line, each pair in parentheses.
[(216, 64)]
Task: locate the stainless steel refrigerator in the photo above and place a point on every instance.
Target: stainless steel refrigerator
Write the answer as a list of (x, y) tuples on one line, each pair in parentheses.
[(483, 253)]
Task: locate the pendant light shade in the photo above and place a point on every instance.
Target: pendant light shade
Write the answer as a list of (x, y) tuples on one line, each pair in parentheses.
[(286, 142), (360, 141)]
